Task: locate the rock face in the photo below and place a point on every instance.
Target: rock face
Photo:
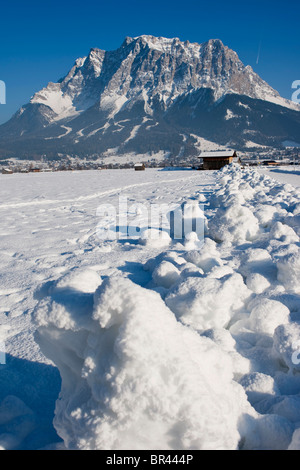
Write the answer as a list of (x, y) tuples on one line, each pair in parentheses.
[(150, 95)]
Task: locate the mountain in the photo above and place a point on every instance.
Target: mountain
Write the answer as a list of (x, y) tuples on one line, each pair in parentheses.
[(151, 95)]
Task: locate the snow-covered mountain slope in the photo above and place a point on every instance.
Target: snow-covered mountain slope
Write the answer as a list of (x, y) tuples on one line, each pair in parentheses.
[(108, 95)]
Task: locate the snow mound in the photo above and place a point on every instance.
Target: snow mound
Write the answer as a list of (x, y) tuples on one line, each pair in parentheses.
[(166, 274), (289, 271), (267, 315), (235, 224), (207, 257), (154, 238), (286, 345), (133, 376), (259, 386), (257, 283), (207, 302), (295, 444)]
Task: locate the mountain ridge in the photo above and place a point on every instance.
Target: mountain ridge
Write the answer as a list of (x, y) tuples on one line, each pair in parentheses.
[(114, 99)]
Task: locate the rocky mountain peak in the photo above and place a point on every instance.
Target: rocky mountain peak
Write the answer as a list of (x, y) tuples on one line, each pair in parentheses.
[(155, 66), (164, 82)]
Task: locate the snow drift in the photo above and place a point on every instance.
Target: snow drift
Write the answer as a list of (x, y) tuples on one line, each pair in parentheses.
[(134, 377), (206, 355)]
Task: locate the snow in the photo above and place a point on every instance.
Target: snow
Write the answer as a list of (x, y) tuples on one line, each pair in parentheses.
[(289, 271), (133, 133), (242, 105), (230, 115), (206, 144), (112, 156), (207, 302), (227, 153), (165, 274), (130, 358), (68, 130), (150, 342), (284, 174), (264, 92), (113, 103), (250, 144), (61, 103)]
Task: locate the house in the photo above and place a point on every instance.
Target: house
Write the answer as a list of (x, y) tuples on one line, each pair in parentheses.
[(6, 171), (217, 159), (271, 163), (139, 167)]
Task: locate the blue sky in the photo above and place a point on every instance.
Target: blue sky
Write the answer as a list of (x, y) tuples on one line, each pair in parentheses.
[(39, 41)]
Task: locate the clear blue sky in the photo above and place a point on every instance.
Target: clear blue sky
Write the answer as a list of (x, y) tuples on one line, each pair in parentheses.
[(41, 40)]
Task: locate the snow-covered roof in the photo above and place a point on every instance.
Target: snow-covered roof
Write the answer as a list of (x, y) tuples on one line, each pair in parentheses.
[(227, 153)]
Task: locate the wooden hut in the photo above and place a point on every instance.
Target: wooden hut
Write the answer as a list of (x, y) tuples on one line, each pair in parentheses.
[(218, 159), (139, 167), (6, 171)]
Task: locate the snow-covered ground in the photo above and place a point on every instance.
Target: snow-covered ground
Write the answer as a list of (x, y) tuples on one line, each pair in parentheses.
[(284, 174), (149, 343)]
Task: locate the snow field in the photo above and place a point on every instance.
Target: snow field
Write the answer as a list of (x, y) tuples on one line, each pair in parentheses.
[(204, 354), (48, 229)]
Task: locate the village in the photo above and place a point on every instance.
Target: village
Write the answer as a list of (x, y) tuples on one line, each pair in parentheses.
[(210, 160)]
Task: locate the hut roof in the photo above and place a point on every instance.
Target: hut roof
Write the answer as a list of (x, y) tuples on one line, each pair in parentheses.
[(220, 154)]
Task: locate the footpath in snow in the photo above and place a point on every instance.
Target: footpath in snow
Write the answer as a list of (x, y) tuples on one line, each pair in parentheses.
[(197, 346)]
